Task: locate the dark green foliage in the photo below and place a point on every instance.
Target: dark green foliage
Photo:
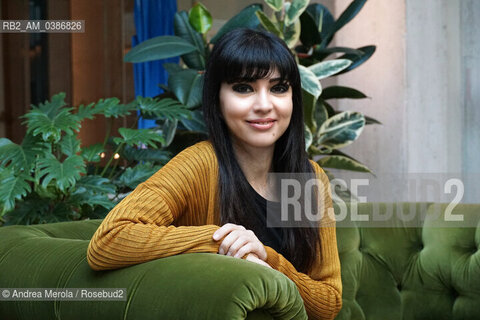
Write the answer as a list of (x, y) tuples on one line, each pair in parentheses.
[(49, 177)]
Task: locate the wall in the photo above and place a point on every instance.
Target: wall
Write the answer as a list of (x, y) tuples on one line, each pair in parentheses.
[(470, 95), (423, 85)]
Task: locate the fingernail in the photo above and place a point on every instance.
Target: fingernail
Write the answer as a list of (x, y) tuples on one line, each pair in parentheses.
[(215, 236)]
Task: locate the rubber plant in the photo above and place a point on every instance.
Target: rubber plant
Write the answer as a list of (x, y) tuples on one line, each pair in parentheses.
[(307, 29)]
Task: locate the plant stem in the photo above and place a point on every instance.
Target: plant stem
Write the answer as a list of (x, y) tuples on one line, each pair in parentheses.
[(107, 136), (111, 159)]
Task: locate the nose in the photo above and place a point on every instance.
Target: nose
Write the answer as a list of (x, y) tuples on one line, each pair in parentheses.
[(263, 101)]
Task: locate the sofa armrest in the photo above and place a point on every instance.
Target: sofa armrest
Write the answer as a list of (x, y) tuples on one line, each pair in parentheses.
[(187, 286)]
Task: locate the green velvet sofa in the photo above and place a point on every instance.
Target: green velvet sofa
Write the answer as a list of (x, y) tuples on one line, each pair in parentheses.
[(423, 268)]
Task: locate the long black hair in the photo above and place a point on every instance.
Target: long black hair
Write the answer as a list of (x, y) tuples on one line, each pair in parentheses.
[(251, 54)]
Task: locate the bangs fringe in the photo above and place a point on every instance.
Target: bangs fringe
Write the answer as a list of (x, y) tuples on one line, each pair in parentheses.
[(255, 59)]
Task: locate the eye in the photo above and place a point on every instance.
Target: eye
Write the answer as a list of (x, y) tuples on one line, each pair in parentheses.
[(280, 88), (242, 88)]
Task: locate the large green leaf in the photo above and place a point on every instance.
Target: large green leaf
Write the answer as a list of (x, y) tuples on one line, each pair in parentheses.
[(328, 68), (331, 112), (292, 34), (132, 177), (92, 153), (116, 110), (322, 53), (200, 18), (54, 106), (244, 19), (20, 157), (51, 119), (149, 155), (158, 48), (195, 123), (309, 104), (92, 109), (369, 120), (172, 68), (138, 137), (268, 24), (12, 187), (69, 145), (169, 127), (310, 83), (65, 174), (352, 10), (341, 162), (309, 30), (341, 129), (183, 29), (95, 184), (308, 137), (162, 108), (187, 87), (92, 200), (357, 60), (346, 16), (323, 20), (321, 113), (29, 211), (294, 11), (276, 5), (339, 92)]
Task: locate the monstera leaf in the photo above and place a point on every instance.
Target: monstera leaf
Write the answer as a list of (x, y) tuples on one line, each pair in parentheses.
[(64, 174), (51, 119), (138, 137), (134, 176), (12, 187), (165, 108), (88, 111), (21, 157), (92, 153)]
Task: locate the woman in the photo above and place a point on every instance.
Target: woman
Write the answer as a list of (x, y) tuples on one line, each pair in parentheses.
[(201, 200)]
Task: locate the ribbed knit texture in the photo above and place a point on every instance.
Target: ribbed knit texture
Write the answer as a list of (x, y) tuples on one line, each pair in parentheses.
[(176, 211)]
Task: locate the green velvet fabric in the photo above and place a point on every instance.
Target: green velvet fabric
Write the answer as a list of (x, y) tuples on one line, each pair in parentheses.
[(424, 268), (189, 286)]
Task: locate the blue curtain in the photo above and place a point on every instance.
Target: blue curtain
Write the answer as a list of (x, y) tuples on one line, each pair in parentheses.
[(152, 18)]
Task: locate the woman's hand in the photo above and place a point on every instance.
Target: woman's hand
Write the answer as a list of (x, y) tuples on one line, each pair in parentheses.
[(239, 241), (254, 258)]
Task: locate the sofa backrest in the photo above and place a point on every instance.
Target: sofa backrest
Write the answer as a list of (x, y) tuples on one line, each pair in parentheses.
[(422, 268)]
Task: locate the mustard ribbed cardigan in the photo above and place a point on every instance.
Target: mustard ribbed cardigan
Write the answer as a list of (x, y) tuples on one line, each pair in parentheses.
[(175, 211)]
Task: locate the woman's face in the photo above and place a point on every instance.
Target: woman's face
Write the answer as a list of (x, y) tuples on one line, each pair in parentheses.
[(257, 113)]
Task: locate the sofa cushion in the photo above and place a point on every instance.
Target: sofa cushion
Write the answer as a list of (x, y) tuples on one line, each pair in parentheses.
[(188, 286)]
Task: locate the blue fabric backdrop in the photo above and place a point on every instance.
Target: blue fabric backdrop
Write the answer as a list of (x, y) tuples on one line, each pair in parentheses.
[(152, 18)]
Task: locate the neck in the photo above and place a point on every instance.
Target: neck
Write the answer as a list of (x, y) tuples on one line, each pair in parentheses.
[(255, 162)]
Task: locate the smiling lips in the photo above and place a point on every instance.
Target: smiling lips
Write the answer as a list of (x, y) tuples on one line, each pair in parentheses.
[(262, 124)]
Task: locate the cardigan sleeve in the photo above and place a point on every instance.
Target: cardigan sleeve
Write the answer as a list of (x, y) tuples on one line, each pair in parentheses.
[(321, 289), (140, 229)]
